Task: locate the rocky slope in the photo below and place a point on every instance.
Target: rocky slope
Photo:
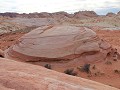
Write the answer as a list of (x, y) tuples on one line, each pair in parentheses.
[(21, 76)]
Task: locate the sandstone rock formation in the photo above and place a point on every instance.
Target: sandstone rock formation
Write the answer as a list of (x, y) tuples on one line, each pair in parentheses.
[(85, 14), (22, 76), (110, 14), (9, 14), (62, 14), (55, 43), (118, 13)]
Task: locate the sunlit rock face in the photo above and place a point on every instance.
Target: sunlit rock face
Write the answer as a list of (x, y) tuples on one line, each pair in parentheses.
[(22, 76), (59, 43)]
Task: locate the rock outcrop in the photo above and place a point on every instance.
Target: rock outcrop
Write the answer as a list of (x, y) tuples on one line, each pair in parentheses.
[(62, 14), (55, 43), (22, 76), (110, 14), (118, 13), (85, 14), (9, 14)]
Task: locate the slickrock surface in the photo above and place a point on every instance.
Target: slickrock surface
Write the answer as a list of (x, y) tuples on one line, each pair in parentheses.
[(55, 43), (22, 76)]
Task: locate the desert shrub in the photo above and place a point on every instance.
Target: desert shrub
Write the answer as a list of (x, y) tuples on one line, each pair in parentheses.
[(109, 53), (94, 67), (99, 73), (117, 71), (48, 66), (114, 59), (86, 68), (70, 72)]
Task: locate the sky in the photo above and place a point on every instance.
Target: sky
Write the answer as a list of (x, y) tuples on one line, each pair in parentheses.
[(28, 6)]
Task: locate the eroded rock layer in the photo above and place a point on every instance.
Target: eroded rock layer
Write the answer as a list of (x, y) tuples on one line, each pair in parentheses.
[(58, 43)]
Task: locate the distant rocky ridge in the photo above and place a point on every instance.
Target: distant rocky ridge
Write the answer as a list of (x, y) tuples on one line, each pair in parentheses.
[(51, 15), (85, 14), (110, 14), (61, 14)]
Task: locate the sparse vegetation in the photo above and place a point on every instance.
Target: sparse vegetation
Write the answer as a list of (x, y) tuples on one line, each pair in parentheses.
[(99, 73), (117, 71), (70, 72), (114, 59), (85, 68), (94, 67), (48, 66)]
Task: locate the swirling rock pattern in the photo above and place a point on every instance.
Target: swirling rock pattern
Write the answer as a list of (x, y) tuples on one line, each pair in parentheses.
[(58, 43)]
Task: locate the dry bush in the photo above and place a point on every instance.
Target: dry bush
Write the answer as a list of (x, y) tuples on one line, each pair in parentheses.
[(117, 71), (70, 72), (85, 68), (48, 66)]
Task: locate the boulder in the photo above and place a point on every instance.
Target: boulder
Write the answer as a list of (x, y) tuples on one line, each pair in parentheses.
[(55, 43)]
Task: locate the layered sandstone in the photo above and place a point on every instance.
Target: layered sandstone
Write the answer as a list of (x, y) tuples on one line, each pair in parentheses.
[(22, 76), (85, 14), (110, 14), (55, 43)]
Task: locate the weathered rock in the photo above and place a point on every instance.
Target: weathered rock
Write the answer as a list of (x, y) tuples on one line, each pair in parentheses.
[(118, 13), (110, 14), (61, 15), (44, 15), (58, 43), (22, 76), (85, 14), (9, 14)]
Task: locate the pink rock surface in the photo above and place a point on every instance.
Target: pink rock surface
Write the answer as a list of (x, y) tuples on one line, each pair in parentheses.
[(22, 76), (57, 43)]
